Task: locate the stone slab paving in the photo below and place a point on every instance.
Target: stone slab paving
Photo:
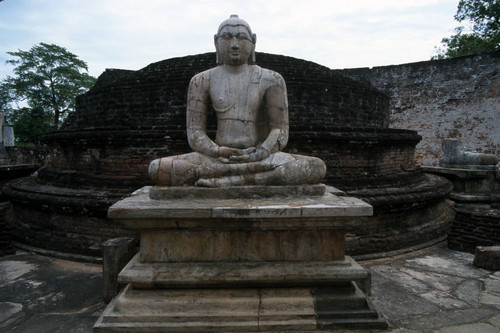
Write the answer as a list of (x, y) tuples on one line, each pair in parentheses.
[(42, 294), (435, 290), (432, 290)]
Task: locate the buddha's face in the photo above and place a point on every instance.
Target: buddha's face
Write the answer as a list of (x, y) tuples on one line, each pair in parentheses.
[(234, 45)]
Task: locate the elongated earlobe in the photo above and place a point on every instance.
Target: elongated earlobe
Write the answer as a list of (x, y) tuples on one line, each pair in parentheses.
[(218, 60), (252, 57)]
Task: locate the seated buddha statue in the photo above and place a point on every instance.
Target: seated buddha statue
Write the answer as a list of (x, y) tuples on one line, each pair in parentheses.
[(251, 106)]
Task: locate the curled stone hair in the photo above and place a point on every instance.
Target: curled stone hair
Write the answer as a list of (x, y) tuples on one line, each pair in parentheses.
[(234, 21)]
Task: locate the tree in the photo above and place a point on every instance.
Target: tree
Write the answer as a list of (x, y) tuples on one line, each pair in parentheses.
[(482, 33), (30, 124), (42, 91)]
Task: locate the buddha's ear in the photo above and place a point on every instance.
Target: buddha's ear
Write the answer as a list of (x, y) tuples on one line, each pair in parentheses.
[(218, 59), (252, 56)]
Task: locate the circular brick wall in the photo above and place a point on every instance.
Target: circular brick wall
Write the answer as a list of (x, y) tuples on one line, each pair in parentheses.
[(131, 117), (156, 96)]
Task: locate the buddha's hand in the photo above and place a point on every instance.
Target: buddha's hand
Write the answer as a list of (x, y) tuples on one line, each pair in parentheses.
[(226, 152), (251, 155), (259, 154), (234, 155)]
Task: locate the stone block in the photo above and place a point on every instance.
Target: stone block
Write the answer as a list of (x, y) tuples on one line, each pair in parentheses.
[(242, 274), (116, 253), (8, 136), (243, 192), (181, 245), (488, 257), (239, 310), (140, 211)]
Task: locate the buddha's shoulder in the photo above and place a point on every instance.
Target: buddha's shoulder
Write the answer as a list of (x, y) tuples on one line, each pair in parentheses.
[(205, 74), (201, 80), (271, 76)]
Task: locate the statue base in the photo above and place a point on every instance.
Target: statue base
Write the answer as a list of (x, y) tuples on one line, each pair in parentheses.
[(475, 185), (210, 264)]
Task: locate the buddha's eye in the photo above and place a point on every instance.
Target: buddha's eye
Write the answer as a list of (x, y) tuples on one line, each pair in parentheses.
[(242, 36), (238, 36)]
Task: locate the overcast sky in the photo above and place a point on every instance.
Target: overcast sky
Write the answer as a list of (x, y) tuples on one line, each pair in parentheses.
[(131, 34)]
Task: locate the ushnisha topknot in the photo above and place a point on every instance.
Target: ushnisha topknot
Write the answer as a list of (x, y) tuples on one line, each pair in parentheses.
[(234, 20)]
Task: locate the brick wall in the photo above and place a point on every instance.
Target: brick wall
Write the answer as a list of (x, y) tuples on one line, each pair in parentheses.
[(474, 227), (156, 96), (131, 117), (26, 155), (440, 99), (6, 246)]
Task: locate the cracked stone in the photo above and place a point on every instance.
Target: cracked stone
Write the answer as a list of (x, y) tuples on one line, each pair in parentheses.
[(435, 280), (446, 266), (444, 300), (393, 301), (492, 284), (468, 328), (406, 280), (469, 291), (10, 313), (439, 319), (490, 300)]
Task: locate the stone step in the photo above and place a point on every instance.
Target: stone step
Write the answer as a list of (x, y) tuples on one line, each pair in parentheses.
[(352, 324), (346, 297), (347, 314), (240, 274), (237, 310)]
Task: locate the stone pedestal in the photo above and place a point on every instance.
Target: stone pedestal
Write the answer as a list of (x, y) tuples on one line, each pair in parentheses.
[(244, 263), (475, 184), (476, 196)]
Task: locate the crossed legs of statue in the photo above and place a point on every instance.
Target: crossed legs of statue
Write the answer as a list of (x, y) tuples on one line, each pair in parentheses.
[(201, 170)]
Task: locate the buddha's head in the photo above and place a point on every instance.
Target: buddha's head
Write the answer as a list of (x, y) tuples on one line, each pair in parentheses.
[(235, 42)]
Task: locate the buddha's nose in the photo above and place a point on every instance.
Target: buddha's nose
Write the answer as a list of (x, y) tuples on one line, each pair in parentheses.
[(234, 43)]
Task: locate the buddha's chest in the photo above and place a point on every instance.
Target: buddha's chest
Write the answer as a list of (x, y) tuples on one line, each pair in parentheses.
[(237, 96)]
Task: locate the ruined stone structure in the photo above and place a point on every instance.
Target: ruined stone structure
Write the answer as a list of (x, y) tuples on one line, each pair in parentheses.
[(131, 117), (453, 98), (474, 226), (476, 193)]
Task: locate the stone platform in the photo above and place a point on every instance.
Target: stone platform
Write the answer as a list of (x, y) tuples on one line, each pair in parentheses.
[(476, 196), (239, 310), (254, 263), (473, 184)]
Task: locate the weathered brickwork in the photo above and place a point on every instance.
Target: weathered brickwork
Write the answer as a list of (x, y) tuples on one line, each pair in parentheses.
[(358, 154), (457, 98), (474, 227), (60, 218), (131, 117), (156, 96), (6, 246), (17, 155)]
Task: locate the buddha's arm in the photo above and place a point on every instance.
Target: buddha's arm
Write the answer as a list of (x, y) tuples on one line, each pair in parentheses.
[(277, 112), (196, 117)]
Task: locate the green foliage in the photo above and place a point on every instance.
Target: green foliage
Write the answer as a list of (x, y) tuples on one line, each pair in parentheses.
[(42, 92), (30, 124), (482, 33)]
